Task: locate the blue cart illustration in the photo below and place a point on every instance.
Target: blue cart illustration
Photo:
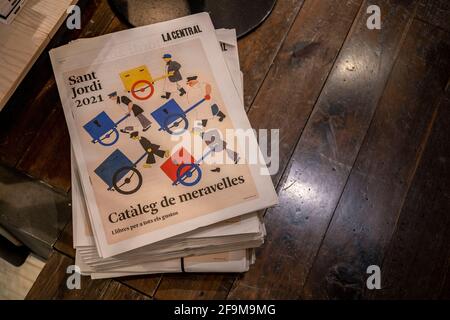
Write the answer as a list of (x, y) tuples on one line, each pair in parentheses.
[(104, 130), (170, 116), (120, 173)]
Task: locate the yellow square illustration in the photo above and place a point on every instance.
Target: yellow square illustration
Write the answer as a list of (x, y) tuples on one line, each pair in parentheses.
[(130, 77)]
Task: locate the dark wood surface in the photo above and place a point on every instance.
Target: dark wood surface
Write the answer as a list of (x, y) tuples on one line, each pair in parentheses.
[(364, 154), (416, 261), (368, 209), (55, 287)]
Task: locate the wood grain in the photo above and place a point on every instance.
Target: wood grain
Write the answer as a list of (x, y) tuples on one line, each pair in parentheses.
[(36, 97), (64, 244), (51, 284), (258, 49), (45, 15), (287, 96), (146, 284), (417, 260), (324, 156), (24, 116), (15, 282), (24, 40), (48, 157), (368, 210), (445, 292), (118, 291), (194, 286), (435, 12)]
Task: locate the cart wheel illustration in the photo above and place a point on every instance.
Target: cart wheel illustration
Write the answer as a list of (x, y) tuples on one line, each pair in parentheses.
[(127, 180), (189, 174), (145, 91), (109, 138), (176, 121)]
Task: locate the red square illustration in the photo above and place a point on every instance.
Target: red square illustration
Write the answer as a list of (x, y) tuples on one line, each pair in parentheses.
[(171, 165)]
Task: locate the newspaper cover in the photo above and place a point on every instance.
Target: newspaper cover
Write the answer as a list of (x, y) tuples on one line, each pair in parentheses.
[(150, 111)]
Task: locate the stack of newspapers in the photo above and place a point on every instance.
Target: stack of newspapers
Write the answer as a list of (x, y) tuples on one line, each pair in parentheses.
[(167, 175)]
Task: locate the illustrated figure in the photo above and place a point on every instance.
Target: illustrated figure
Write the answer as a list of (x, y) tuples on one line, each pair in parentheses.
[(174, 77), (150, 148), (198, 90), (214, 142), (138, 112)]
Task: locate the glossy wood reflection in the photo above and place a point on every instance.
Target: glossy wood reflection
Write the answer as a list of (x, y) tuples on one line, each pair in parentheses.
[(368, 210)]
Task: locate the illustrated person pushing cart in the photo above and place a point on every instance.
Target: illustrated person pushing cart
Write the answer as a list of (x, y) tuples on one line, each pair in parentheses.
[(198, 90), (171, 84), (138, 112), (150, 148), (215, 143)]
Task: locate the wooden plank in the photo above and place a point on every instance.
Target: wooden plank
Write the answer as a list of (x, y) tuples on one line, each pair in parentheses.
[(16, 55), (44, 15), (118, 291), (16, 281), (368, 210), (445, 293), (64, 244), (436, 12), (288, 95), (310, 48), (325, 154), (146, 284), (100, 21), (194, 286), (36, 97), (417, 259), (51, 284), (24, 116), (258, 49), (48, 157), (24, 40)]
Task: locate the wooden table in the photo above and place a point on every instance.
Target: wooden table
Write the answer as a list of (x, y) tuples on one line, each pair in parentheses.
[(25, 38), (364, 118)]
